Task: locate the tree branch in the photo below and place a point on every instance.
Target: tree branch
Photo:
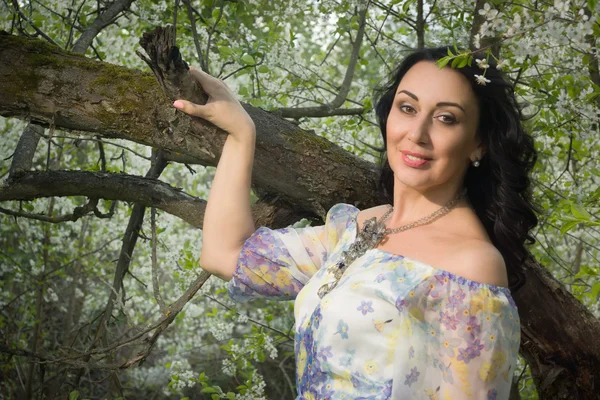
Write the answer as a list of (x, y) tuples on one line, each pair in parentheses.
[(192, 19), (135, 189), (104, 19), (337, 102), (25, 150), (79, 212), (45, 83)]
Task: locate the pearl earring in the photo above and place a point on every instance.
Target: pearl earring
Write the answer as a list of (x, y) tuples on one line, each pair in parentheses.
[(476, 163)]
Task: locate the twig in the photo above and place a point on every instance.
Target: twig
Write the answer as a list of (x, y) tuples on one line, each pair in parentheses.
[(155, 287), (210, 32), (195, 35), (102, 155), (78, 213)]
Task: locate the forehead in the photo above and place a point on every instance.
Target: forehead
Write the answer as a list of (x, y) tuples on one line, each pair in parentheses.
[(431, 84)]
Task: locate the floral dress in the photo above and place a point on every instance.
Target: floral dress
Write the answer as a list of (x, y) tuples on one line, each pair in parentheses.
[(393, 328)]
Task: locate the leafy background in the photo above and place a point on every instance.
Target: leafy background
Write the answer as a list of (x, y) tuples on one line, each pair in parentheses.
[(56, 278)]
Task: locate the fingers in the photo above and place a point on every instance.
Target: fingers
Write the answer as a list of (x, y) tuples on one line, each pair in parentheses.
[(209, 83), (191, 108)]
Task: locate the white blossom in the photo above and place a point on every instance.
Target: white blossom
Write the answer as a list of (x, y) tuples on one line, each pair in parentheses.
[(499, 24), (482, 63), (488, 12), (52, 296), (561, 7), (477, 40), (482, 80), (486, 29)]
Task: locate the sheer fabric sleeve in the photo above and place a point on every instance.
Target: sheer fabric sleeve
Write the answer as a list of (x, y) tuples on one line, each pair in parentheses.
[(278, 263), (471, 336)]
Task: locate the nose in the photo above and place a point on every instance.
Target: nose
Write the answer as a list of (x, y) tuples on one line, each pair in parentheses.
[(419, 129)]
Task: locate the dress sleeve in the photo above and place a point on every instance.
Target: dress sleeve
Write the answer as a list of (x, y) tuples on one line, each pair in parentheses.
[(471, 337), (278, 263)]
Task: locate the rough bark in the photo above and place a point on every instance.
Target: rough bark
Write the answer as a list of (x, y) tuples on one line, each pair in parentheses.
[(559, 338), (23, 157), (47, 84), (134, 189), (559, 335)]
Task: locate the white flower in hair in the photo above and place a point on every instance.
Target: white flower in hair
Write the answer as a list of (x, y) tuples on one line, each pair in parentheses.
[(482, 63), (482, 80)]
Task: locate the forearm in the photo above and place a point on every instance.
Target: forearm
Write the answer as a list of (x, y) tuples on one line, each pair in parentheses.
[(228, 218)]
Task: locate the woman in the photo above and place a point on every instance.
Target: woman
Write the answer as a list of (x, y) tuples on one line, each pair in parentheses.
[(403, 301)]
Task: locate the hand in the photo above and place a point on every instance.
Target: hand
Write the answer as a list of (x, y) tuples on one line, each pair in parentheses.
[(221, 109)]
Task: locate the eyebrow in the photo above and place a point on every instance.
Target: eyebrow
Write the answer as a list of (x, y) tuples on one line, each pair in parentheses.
[(441, 103)]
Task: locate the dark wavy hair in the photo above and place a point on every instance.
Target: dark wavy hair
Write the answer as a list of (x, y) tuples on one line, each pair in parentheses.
[(499, 189)]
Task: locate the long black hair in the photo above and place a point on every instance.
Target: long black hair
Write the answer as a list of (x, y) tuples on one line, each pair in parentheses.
[(499, 189)]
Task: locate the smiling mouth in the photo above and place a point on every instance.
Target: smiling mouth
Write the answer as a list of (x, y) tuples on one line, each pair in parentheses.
[(414, 158), (414, 161)]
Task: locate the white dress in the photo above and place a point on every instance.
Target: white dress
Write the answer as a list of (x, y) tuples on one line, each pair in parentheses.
[(393, 328)]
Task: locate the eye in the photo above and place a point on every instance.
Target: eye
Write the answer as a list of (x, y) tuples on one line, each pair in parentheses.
[(407, 109), (447, 119)]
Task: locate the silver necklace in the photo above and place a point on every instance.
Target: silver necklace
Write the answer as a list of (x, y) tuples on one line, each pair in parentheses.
[(372, 234)]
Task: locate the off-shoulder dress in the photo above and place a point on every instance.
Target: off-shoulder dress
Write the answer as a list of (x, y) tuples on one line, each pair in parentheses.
[(393, 328)]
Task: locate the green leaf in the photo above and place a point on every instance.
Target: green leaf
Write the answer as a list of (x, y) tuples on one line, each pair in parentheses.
[(74, 395), (580, 213), (595, 291), (442, 62), (591, 4), (368, 103), (248, 59), (568, 226), (463, 62), (231, 395), (215, 397), (225, 51), (263, 69)]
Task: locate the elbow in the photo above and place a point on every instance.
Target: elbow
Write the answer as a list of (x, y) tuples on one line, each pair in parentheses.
[(222, 266)]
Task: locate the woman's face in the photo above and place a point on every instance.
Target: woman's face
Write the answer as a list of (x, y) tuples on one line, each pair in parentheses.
[(431, 128)]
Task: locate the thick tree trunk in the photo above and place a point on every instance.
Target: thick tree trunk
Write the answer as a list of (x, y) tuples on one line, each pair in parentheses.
[(559, 335), (560, 338)]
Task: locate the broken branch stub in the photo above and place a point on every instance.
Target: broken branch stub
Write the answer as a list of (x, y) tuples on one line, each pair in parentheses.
[(171, 71)]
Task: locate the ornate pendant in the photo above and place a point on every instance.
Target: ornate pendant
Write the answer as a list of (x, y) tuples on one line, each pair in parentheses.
[(371, 234), (369, 237)]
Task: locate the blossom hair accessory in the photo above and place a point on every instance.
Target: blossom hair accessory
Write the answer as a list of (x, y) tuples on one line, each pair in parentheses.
[(372, 234)]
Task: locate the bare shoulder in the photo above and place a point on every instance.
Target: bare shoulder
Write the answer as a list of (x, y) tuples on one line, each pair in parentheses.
[(480, 261)]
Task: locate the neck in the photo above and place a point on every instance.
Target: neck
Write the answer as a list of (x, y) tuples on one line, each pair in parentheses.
[(411, 204)]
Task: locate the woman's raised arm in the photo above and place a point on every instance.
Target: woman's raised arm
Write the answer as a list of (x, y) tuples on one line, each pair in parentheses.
[(228, 219)]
